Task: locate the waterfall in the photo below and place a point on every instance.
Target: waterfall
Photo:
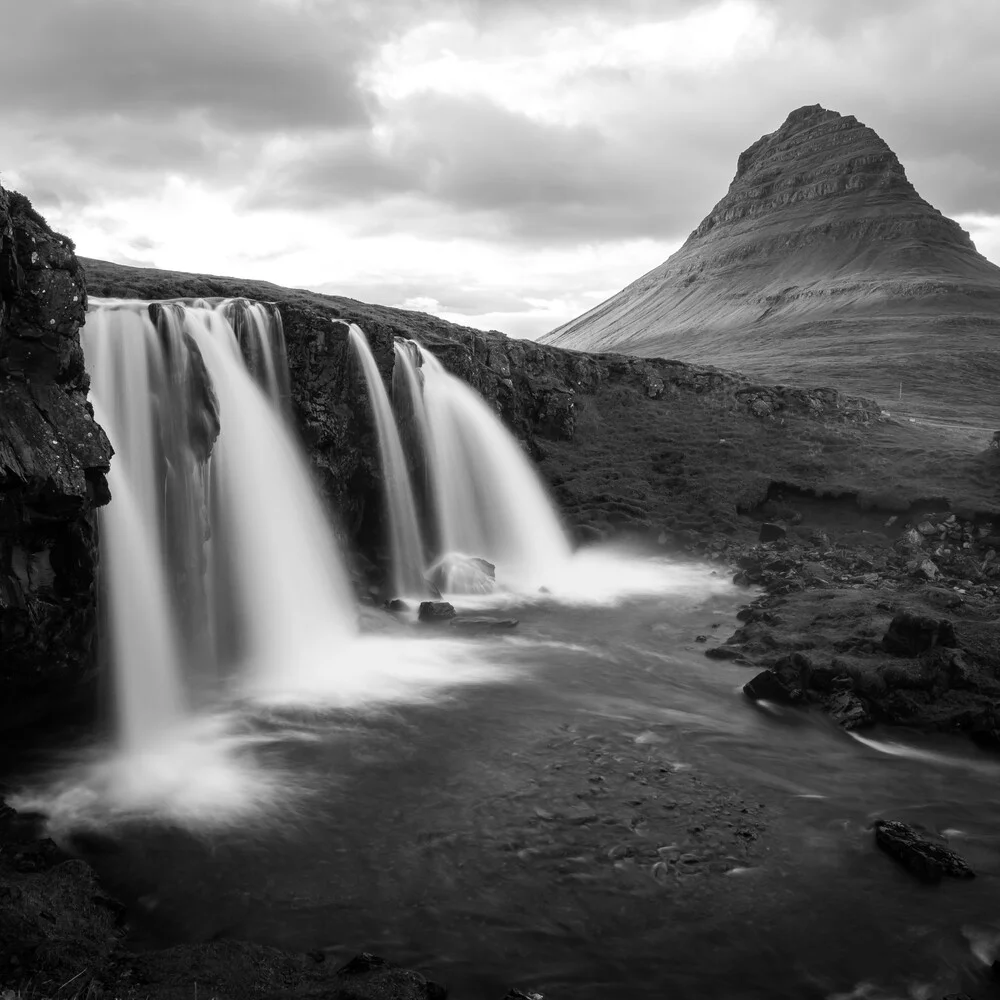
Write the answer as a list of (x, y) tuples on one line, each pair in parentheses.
[(488, 500), (217, 559), (406, 547)]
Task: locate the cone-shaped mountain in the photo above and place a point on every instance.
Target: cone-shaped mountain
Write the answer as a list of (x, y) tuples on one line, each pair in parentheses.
[(821, 264)]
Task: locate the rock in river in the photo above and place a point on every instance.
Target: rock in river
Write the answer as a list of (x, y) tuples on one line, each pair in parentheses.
[(926, 859), (435, 611)]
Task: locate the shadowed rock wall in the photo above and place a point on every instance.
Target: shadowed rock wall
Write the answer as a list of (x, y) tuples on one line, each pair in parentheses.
[(53, 460)]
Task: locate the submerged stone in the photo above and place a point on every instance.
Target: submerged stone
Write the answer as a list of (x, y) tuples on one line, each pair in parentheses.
[(920, 855), (724, 653), (483, 623)]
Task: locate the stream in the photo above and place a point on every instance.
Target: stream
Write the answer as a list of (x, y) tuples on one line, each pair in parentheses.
[(594, 810)]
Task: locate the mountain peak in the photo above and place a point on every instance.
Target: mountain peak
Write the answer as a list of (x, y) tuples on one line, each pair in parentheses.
[(820, 221)]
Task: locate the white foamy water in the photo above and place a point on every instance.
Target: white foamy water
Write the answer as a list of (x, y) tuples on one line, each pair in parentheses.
[(894, 748), (206, 774), (219, 561), (406, 546), (606, 576), (488, 500)]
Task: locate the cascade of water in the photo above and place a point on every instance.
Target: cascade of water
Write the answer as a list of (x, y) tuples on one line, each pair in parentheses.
[(405, 545), (488, 500), (412, 423), (219, 558), (261, 336)]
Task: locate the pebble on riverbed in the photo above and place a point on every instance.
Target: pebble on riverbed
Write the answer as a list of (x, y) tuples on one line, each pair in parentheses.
[(927, 860)]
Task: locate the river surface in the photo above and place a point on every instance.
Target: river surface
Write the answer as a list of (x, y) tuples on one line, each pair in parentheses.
[(596, 812)]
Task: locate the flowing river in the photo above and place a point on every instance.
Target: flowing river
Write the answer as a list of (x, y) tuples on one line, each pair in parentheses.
[(593, 809)]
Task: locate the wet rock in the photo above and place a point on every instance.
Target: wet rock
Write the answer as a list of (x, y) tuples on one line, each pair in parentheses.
[(910, 634), (772, 532), (373, 978), (396, 605), (364, 962), (927, 568), (701, 638), (770, 686), (515, 994), (986, 735), (483, 623), (848, 710), (724, 653), (435, 611), (460, 574), (926, 859)]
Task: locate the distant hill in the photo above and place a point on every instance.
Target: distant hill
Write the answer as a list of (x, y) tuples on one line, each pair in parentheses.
[(821, 266)]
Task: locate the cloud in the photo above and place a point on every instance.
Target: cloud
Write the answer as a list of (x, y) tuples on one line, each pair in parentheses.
[(278, 136), (247, 65), (453, 164)]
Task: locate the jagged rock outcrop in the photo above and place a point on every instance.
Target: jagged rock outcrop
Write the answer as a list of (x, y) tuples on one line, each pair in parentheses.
[(53, 460), (821, 265)]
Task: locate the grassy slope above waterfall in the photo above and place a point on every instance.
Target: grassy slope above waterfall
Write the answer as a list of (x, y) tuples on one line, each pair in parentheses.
[(692, 459)]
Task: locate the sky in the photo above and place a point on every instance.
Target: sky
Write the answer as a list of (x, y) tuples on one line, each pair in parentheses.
[(504, 164)]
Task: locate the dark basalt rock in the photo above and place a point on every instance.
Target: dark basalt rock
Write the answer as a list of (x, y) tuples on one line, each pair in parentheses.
[(926, 859), (435, 611), (53, 460), (848, 710), (772, 532), (396, 605), (373, 978), (359, 964), (768, 685), (724, 652), (909, 634)]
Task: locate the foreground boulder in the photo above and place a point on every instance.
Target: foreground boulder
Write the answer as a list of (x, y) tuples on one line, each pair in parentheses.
[(53, 460), (910, 635), (770, 686), (927, 860)]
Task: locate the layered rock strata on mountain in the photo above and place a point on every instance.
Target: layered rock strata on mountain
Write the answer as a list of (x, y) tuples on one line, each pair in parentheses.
[(53, 460), (821, 264)]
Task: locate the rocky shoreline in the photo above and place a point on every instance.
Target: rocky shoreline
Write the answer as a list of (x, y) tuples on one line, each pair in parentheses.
[(898, 626)]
